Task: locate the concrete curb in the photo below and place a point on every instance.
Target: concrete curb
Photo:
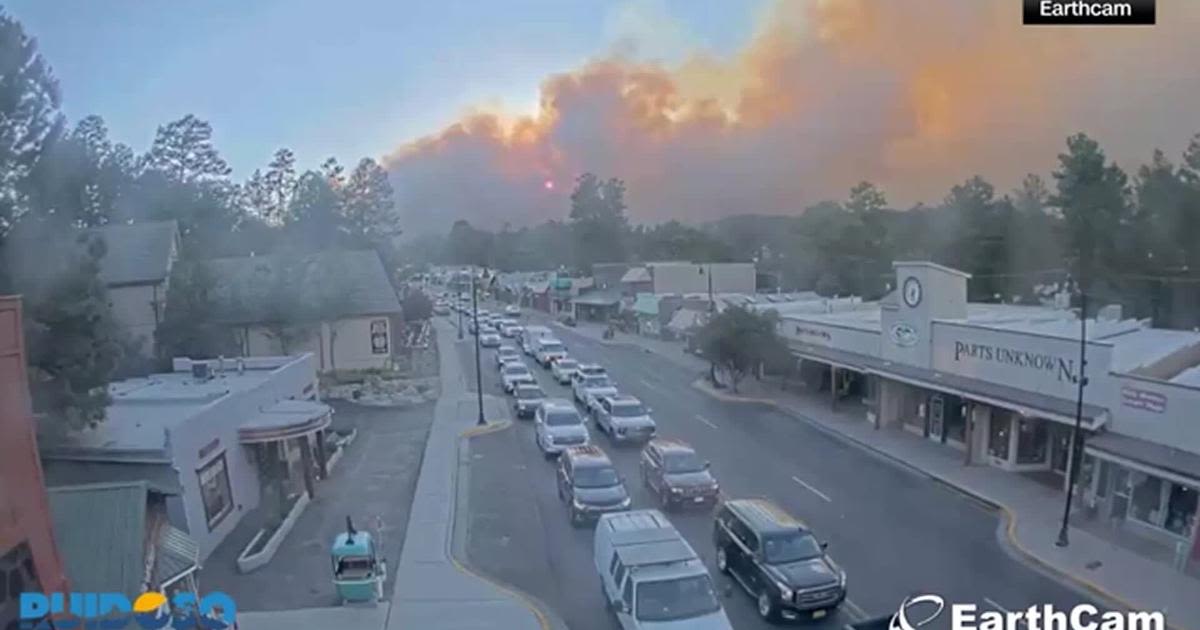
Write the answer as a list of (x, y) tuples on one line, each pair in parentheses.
[(1009, 524), (546, 618)]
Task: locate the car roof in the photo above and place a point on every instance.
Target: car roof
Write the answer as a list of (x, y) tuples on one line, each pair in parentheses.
[(517, 362), (671, 445), (510, 348), (623, 398), (591, 366), (764, 516), (559, 402), (589, 454)]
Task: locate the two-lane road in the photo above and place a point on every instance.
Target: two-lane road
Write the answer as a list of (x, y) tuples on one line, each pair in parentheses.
[(896, 533)]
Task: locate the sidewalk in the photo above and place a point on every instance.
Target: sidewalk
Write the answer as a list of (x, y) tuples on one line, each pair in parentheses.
[(1033, 512), (433, 589)]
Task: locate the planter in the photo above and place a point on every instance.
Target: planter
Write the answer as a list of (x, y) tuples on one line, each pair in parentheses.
[(265, 543)]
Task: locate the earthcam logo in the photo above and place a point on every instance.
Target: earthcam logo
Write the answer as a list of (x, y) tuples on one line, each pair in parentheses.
[(921, 610), (1089, 12)]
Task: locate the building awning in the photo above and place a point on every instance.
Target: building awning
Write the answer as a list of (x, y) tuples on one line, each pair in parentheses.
[(161, 478), (1019, 400), (285, 419), (646, 304), (599, 298), (1158, 459), (685, 319), (175, 556)]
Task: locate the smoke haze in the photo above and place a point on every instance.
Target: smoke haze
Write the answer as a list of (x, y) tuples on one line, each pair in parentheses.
[(915, 96)]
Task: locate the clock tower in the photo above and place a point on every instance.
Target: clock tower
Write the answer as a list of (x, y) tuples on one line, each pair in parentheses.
[(925, 291)]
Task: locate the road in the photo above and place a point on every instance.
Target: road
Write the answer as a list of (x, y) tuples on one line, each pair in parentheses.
[(895, 532)]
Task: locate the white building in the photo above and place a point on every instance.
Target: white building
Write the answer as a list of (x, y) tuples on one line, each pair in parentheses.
[(205, 434), (1000, 383)]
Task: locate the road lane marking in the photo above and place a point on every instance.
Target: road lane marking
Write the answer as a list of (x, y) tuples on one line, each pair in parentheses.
[(813, 490), (856, 613), (706, 421), (648, 383)]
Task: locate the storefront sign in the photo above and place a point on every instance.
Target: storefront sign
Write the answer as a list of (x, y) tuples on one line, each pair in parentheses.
[(379, 336), (1061, 368), (805, 332), (904, 335), (1142, 399)]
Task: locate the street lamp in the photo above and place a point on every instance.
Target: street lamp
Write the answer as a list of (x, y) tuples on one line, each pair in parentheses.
[(712, 309), (478, 371), (1077, 432)]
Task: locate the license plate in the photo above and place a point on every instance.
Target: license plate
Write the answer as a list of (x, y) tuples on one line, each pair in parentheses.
[(817, 614), (698, 499)]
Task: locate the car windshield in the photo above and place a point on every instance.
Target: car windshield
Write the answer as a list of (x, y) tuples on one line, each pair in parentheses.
[(628, 410), (682, 462), (682, 598), (552, 347), (563, 418), (566, 364), (592, 370), (513, 370), (784, 548), (595, 381), (508, 352), (530, 393), (596, 477)]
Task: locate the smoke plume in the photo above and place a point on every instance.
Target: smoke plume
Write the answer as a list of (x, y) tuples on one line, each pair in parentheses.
[(914, 96)]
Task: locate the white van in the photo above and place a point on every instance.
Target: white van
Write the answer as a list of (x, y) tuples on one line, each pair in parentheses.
[(549, 350), (652, 578)]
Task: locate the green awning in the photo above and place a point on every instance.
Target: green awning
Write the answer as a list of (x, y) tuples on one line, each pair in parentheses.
[(646, 304)]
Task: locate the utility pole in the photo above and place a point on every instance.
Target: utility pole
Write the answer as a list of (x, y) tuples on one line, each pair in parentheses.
[(712, 311), (1077, 433), (478, 370)]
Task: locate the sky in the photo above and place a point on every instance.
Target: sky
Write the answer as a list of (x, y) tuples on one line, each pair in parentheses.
[(350, 78), (488, 110)]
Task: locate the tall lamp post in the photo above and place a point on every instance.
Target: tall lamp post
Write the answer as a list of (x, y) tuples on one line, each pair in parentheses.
[(712, 309), (478, 372), (1077, 432)]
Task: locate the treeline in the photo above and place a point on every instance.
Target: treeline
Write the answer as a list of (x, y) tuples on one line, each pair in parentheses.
[(60, 177), (1130, 240)]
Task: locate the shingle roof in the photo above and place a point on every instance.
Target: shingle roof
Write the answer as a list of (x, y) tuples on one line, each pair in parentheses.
[(244, 286), (100, 530), (136, 253)]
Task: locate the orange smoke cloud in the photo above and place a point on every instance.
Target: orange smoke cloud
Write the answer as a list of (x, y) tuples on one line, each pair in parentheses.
[(914, 96)]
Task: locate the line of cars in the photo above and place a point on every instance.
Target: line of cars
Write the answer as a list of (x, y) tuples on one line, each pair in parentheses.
[(652, 578)]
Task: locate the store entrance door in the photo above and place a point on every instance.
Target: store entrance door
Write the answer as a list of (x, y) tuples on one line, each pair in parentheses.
[(1121, 491), (1060, 448), (937, 418)]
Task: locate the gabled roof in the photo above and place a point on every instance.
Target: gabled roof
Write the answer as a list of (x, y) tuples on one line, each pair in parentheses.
[(245, 286), (136, 253), (636, 274), (100, 530)]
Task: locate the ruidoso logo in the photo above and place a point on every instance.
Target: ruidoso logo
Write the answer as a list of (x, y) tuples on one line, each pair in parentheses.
[(114, 611), (1089, 12), (920, 610)]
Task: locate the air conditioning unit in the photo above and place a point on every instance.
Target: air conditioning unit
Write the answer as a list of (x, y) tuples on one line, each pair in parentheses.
[(201, 371)]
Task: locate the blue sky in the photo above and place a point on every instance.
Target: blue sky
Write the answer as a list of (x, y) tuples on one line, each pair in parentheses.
[(348, 77)]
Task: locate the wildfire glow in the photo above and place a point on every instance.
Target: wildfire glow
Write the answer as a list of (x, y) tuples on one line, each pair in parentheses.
[(548, 184)]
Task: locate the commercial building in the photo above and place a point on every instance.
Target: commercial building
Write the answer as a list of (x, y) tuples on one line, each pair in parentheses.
[(29, 559), (676, 277), (211, 438), (1000, 383), (136, 267), (348, 313)]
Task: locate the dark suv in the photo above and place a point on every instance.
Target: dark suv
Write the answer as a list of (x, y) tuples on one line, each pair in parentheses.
[(777, 560), (589, 484), (676, 475)]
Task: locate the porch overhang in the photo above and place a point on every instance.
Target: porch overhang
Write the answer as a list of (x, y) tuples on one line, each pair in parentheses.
[(285, 419)]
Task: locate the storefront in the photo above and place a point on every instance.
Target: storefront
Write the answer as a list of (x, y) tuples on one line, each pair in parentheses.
[(1144, 489)]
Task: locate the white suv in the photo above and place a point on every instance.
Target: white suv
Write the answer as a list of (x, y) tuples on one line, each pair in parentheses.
[(563, 369), (558, 426)]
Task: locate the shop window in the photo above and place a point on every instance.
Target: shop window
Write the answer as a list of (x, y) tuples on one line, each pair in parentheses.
[(215, 491), (998, 436), (1181, 509), (1032, 436), (1146, 502)]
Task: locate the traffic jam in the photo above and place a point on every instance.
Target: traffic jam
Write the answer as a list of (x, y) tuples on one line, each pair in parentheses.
[(651, 576)]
